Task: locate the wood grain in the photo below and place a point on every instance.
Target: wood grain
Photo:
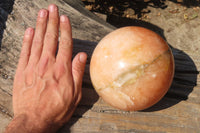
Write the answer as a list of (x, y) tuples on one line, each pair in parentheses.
[(178, 111)]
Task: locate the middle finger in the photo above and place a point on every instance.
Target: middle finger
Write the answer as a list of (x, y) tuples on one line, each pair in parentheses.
[(40, 30), (51, 36)]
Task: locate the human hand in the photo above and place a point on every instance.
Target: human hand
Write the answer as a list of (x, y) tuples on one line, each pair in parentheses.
[(47, 87)]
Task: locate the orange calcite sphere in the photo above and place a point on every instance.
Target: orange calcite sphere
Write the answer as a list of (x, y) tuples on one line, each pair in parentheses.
[(132, 68)]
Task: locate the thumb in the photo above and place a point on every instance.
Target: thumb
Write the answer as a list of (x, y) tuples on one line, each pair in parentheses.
[(78, 68)]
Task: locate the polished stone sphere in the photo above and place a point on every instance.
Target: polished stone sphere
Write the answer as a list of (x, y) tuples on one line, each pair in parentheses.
[(132, 68)]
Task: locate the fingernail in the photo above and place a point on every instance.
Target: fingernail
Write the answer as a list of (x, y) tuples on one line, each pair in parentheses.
[(52, 8), (42, 13), (82, 58), (63, 18)]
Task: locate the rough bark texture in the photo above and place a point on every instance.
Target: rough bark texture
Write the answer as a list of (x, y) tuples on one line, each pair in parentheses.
[(178, 111)]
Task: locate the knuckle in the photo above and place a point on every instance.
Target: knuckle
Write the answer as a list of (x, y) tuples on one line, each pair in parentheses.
[(26, 40), (65, 43), (54, 20), (40, 21), (37, 41), (78, 69), (52, 36), (24, 53)]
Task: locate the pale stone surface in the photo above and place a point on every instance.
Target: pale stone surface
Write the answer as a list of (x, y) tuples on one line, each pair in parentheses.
[(132, 68)]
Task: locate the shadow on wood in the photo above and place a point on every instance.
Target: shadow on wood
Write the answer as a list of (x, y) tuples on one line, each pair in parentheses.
[(89, 95), (185, 77), (118, 7), (6, 7), (187, 3)]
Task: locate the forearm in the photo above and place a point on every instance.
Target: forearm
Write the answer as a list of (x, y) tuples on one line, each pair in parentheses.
[(22, 124)]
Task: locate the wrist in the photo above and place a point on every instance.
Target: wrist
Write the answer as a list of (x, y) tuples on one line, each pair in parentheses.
[(23, 123)]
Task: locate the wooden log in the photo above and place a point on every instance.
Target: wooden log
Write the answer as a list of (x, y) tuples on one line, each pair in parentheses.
[(178, 111)]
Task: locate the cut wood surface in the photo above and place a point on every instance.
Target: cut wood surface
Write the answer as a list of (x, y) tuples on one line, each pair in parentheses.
[(178, 111)]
